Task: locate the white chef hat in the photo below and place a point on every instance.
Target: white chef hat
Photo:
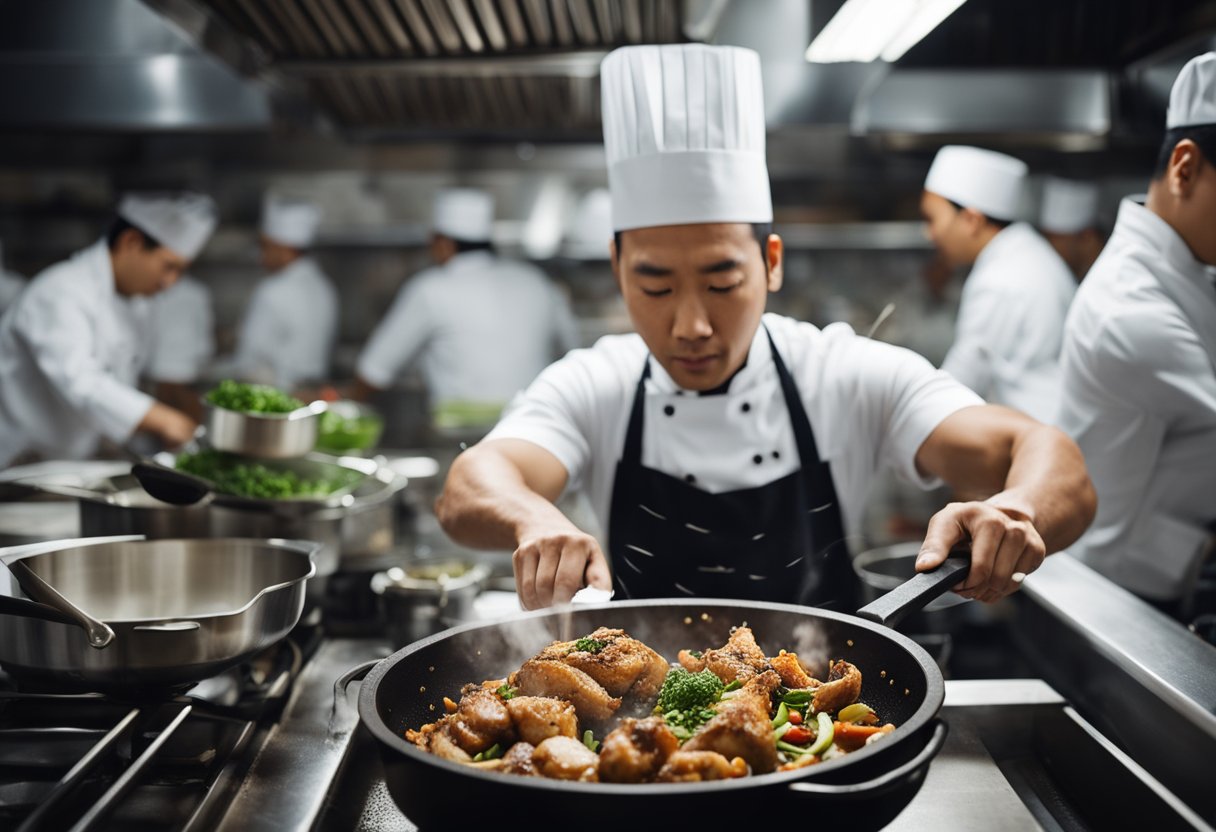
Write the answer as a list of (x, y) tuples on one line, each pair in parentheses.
[(985, 180), (590, 231), (465, 214), (1193, 98), (1068, 206), (290, 222), (179, 221), (684, 135)]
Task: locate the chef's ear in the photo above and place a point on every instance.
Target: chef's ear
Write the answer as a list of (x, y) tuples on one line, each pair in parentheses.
[(774, 252), (1183, 169)]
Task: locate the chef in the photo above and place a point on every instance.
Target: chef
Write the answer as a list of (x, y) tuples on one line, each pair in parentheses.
[(728, 453), (1139, 389), (1069, 221), (1011, 315), (183, 343), (11, 284), (288, 333), (479, 325), (74, 344)]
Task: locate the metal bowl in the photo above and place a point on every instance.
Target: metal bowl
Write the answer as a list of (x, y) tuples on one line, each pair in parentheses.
[(428, 596), (264, 435)]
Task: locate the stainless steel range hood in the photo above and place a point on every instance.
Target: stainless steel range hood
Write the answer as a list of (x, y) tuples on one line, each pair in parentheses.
[(115, 65)]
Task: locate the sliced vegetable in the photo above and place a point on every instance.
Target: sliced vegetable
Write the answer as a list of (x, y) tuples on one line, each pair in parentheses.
[(492, 753), (735, 685), (851, 737), (799, 697), (826, 734), (799, 735), (783, 715), (778, 733), (857, 712), (795, 716), (795, 750), (590, 741)]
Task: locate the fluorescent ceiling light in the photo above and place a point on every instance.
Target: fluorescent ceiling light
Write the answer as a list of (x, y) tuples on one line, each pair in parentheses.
[(864, 30)]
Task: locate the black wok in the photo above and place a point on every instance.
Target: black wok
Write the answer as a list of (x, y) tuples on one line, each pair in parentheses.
[(865, 789)]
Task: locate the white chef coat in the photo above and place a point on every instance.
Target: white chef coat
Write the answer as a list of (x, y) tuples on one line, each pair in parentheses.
[(1011, 323), (288, 333), (183, 333), (71, 351), (481, 327), (871, 405), (1139, 397), (10, 286)]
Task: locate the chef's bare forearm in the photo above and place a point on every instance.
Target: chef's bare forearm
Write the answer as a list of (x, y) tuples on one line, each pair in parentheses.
[(1019, 465), (499, 493), (1048, 482)]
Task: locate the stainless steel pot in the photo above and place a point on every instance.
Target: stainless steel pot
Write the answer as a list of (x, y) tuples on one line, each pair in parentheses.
[(181, 610), (265, 435), (427, 597)]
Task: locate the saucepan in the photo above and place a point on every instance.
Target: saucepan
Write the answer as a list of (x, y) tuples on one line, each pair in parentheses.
[(865, 789), (180, 610)]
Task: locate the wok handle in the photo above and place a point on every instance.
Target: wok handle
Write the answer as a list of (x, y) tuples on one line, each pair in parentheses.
[(913, 594), (342, 717), (871, 788)]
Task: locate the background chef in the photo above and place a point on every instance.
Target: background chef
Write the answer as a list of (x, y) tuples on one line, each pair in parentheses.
[(726, 453), (1069, 221), (1011, 314), (287, 335), (182, 344), (73, 345), (1138, 385), (480, 326)]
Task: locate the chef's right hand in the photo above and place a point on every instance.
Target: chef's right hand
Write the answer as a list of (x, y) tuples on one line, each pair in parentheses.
[(171, 426), (553, 564)]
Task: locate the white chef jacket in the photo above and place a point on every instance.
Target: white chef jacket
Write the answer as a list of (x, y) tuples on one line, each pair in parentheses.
[(481, 327), (1139, 397), (10, 286), (288, 333), (1011, 323), (182, 332), (71, 351), (871, 405)]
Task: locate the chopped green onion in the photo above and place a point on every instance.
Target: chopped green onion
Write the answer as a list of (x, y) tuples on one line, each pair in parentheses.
[(492, 753), (505, 691), (798, 697), (826, 733), (855, 712), (696, 654), (735, 685), (783, 715), (590, 741), (792, 749)]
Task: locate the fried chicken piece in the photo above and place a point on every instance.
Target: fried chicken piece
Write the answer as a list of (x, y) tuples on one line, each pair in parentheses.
[(536, 718), (691, 663), (843, 687), (565, 758), (699, 766), (624, 666), (791, 671), (518, 760), (742, 726), (741, 658), (441, 744), (481, 719), (558, 680), (636, 750)]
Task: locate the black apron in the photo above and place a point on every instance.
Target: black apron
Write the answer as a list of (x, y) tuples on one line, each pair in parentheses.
[(779, 542)]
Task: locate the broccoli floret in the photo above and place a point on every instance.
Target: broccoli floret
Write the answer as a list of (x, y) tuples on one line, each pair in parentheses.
[(684, 691)]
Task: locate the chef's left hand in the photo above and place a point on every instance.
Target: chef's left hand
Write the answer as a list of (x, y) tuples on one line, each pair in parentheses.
[(1004, 543)]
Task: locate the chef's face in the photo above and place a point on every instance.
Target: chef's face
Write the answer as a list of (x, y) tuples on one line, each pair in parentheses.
[(139, 270), (949, 229), (695, 293), (276, 256)]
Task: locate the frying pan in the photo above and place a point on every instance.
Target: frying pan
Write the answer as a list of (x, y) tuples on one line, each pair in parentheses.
[(181, 610), (864, 790)]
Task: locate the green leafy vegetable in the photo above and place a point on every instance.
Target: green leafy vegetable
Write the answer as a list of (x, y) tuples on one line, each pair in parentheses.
[(589, 645), (590, 741), (252, 398), (505, 691), (696, 654), (231, 474), (826, 733), (339, 433)]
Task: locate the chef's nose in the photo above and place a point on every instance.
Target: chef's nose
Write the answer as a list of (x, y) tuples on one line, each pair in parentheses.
[(691, 321)]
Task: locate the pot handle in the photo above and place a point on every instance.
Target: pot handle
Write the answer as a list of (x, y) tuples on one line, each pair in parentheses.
[(342, 717), (913, 594), (869, 788), (169, 627)]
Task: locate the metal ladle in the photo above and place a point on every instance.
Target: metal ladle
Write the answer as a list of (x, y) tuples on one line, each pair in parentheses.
[(98, 632)]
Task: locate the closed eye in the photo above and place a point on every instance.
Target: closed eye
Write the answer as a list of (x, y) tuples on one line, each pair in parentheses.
[(724, 289), (656, 293)]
